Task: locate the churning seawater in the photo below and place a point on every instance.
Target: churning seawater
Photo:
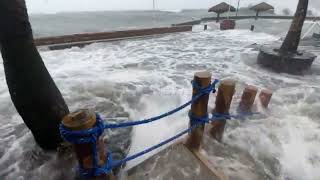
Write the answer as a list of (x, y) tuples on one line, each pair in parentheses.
[(144, 77)]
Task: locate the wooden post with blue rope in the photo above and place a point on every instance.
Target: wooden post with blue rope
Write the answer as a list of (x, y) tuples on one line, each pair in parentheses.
[(223, 101), (199, 109), (84, 120)]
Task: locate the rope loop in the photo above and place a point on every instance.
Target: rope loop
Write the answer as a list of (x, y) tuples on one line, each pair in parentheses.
[(89, 136), (196, 120), (205, 90), (83, 136), (219, 116)]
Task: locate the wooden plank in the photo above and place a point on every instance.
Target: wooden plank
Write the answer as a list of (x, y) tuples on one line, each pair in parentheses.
[(208, 165), (174, 162)]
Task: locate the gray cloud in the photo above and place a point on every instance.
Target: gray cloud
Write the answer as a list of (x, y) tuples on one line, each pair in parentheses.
[(52, 6)]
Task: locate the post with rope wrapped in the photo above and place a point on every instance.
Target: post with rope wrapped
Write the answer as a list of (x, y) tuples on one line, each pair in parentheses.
[(85, 120), (248, 98), (199, 109), (223, 101)]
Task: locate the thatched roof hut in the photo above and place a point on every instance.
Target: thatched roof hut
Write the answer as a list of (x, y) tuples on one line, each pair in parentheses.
[(261, 7), (222, 8)]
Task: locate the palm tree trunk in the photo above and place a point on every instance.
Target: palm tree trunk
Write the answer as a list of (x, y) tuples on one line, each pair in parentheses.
[(292, 40), (33, 91)]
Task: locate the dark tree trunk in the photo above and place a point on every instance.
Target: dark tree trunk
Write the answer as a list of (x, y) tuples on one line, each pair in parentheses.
[(218, 17), (292, 40), (32, 90)]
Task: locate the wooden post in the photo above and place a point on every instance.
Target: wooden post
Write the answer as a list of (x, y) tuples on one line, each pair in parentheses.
[(83, 120), (199, 109), (247, 99), (205, 27), (223, 101), (257, 15), (252, 28), (265, 97)]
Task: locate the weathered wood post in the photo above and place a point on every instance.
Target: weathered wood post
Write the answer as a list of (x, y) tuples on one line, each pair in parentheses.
[(218, 17), (248, 98), (199, 109), (252, 28), (223, 101), (265, 97), (257, 15), (205, 27), (33, 91), (84, 120)]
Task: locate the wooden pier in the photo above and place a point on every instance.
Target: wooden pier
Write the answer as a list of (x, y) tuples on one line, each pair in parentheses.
[(184, 158), (175, 162)]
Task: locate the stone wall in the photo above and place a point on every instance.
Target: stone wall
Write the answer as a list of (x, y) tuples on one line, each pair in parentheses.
[(109, 35)]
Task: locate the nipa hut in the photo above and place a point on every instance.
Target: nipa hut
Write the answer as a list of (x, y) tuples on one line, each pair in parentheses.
[(261, 7), (222, 8)]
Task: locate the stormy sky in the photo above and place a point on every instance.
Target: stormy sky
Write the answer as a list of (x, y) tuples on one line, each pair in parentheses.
[(53, 6)]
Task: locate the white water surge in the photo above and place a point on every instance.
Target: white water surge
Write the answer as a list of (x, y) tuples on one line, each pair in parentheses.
[(142, 78)]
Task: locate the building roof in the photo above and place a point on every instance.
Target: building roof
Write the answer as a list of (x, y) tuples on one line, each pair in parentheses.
[(262, 7), (222, 7)]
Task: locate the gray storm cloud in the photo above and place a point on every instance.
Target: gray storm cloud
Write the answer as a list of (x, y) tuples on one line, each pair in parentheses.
[(52, 6)]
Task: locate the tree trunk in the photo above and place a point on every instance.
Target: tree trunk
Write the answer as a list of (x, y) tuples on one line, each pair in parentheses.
[(32, 90), (292, 40)]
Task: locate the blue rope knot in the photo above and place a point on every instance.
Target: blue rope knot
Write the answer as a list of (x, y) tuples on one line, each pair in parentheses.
[(98, 170), (194, 120), (83, 136), (219, 116), (205, 90), (89, 136)]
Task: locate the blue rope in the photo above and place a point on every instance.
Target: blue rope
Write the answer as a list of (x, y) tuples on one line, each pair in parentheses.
[(120, 162), (201, 92), (91, 135), (227, 116)]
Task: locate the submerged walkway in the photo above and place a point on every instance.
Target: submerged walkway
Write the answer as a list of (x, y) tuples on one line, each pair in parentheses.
[(195, 22), (175, 162)]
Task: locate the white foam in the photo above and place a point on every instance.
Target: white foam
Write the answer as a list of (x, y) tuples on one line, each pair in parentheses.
[(156, 74)]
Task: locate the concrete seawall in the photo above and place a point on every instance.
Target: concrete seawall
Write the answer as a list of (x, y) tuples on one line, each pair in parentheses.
[(67, 41)]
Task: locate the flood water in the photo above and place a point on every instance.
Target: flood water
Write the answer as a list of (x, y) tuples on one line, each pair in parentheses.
[(141, 78)]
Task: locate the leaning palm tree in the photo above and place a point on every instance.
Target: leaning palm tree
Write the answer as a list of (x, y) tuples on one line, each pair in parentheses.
[(287, 58), (33, 91), (292, 40)]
